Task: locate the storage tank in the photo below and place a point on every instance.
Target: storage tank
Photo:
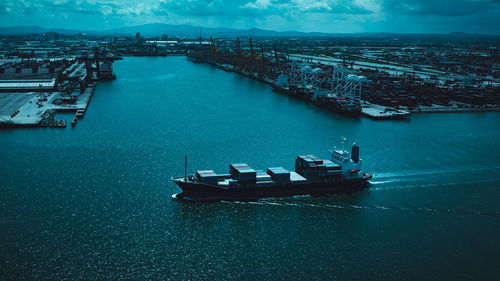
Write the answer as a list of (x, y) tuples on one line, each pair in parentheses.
[(352, 77), (306, 68), (317, 70)]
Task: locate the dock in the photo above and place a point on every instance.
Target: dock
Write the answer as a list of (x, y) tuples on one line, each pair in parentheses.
[(29, 109), (80, 112), (381, 112), (455, 107)]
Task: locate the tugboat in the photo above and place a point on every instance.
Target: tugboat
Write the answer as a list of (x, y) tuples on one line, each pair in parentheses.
[(312, 176)]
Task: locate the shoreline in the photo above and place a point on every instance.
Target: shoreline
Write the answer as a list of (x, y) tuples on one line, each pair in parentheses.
[(417, 111)]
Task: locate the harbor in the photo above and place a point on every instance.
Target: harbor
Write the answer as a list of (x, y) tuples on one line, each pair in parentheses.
[(250, 140), (377, 78), (94, 200)]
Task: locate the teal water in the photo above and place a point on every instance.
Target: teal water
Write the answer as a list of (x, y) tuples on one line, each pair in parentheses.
[(95, 201)]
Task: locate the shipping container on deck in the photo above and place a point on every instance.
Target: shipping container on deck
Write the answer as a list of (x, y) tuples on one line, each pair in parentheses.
[(314, 168), (207, 176), (295, 178), (330, 165), (279, 174), (315, 159), (242, 172), (233, 168), (262, 176)]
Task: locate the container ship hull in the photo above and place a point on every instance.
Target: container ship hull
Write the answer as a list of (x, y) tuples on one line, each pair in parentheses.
[(345, 109), (196, 191)]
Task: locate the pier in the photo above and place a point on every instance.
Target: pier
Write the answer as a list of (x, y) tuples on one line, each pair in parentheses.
[(380, 112), (27, 109), (32, 99)]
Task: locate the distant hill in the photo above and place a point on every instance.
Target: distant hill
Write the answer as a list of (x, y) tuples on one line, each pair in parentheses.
[(194, 31), (157, 29), (19, 30)]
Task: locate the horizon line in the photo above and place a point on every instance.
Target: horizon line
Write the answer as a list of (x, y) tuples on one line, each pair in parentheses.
[(251, 28)]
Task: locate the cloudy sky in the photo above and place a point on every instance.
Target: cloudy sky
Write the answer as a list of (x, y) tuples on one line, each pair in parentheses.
[(335, 16)]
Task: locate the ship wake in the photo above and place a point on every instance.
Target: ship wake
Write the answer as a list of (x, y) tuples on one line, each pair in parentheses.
[(266, 202)]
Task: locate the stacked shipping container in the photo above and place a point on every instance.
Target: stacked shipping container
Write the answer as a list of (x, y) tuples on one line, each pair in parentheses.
[(314, 168), (262, 176), (207, 176), (307, 167), (279, 174), (242, 172)]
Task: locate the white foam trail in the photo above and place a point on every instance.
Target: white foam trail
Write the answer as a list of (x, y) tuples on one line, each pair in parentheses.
[(301, 196), (410, 186), (370, 207), (382, 182), (256, 203), (426, 172)]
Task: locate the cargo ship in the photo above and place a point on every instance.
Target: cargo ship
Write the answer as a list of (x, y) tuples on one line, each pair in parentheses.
[(312, 176), (341, 105), (321, 97)]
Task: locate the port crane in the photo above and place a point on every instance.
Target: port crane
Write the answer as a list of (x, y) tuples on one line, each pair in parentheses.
[(345, 84)]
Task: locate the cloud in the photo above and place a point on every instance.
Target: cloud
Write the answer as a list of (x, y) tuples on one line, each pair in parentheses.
[(442, 8), (244, 8), (78, 7), (266, 7), (302, 15)]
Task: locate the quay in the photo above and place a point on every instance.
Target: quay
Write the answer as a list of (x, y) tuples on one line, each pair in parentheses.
[(455, 108), (370, 110), (380, 112), (370, 86), (32, 98), (27, 109), (80, 112)]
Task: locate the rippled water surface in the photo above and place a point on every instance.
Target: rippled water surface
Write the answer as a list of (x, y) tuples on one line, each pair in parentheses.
[(95, 201)]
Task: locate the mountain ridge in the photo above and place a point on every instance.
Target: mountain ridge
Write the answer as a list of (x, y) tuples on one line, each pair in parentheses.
[(158, 29)]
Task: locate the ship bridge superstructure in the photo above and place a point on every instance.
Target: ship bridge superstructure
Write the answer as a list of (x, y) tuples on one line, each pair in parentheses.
[(349, 161)]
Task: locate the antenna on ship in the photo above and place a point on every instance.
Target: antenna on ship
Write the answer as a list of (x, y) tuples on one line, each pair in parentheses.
[(344, 140), (332, 151), (185, 166)]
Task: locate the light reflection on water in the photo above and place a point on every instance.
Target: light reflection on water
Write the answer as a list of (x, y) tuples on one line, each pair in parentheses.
[(95, 201)]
